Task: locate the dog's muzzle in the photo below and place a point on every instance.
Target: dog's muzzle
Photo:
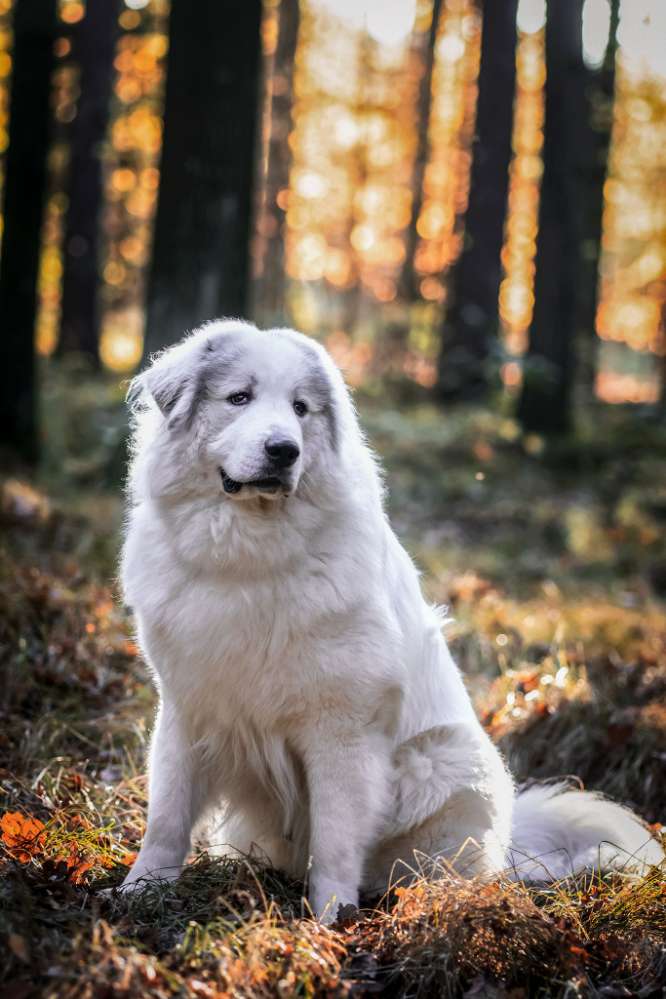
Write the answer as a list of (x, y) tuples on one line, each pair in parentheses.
[(270, 484)]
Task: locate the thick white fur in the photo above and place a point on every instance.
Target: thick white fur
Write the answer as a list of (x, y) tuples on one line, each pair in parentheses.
[(304, 682)]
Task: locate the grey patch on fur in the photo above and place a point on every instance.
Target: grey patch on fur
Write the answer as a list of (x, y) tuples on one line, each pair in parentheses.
[(168, 385), (319, 384), (217, 359), (324, 390)]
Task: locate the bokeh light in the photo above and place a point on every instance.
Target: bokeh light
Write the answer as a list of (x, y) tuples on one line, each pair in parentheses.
[(334, 228), (131, 179), (516, 296), (596, 26), (630, 319)]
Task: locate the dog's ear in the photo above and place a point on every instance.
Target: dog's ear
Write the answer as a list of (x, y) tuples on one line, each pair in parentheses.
[(175, 382), (176, 390), (323, 388), (176, 379)]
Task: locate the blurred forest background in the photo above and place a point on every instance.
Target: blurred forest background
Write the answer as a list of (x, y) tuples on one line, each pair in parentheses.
[(460, 208), (465, 200)]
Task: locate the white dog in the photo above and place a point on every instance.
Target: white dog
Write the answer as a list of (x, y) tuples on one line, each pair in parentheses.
[(304, 682)]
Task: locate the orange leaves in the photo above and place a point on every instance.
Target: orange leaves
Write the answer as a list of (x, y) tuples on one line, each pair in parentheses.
[(67, 840), (79, 868), (22, 835), (411, 899)]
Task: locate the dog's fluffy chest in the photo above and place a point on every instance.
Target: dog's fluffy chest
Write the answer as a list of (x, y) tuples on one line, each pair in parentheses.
[(239, 651), (238, 641)]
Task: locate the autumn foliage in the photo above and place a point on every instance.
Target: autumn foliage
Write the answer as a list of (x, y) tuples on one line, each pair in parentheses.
[(22, 836), (68, 841)]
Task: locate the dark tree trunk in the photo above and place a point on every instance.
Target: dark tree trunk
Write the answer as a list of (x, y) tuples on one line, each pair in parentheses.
[(408, 279), (549, 365), (270, 288), (601, 95), (94, 41), (471, 324), (25, 180), (662, 363), (202, 231)]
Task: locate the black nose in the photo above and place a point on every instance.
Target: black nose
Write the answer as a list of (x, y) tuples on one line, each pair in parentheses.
[(283, 453)]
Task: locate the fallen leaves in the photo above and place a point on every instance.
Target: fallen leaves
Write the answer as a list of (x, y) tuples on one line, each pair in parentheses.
[(67, 841), (22, 835), (70, 631)]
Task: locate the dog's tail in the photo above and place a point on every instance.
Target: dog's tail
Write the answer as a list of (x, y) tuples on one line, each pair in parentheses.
[(559, 831)]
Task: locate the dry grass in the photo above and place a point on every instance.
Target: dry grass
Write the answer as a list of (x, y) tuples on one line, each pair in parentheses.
[(453, 938), (579, 686)]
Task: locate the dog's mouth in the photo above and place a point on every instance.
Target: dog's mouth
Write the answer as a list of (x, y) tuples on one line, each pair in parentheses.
[(271, 484)]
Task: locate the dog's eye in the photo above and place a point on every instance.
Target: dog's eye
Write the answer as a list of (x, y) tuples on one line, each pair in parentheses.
[(239, 398), (300, 408)]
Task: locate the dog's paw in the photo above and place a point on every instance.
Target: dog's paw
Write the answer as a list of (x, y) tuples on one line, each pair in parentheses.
[(328, 897), (125, 889), (347, 915), (132, 886)]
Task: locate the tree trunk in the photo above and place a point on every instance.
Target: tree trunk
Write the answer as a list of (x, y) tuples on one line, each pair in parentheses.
[(472, 319), (25, 181), (408, 279), (269, 292), (94, 42), (601, 95), (549, 365), (661, 361), (202, 231)]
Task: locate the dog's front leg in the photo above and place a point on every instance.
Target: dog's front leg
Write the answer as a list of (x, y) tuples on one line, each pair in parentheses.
[(347, 776), (175, 797)]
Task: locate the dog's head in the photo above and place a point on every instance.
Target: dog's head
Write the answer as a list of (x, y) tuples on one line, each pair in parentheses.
[(238, 410)]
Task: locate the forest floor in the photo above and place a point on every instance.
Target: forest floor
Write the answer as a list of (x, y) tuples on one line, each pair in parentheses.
[(553, 564)]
